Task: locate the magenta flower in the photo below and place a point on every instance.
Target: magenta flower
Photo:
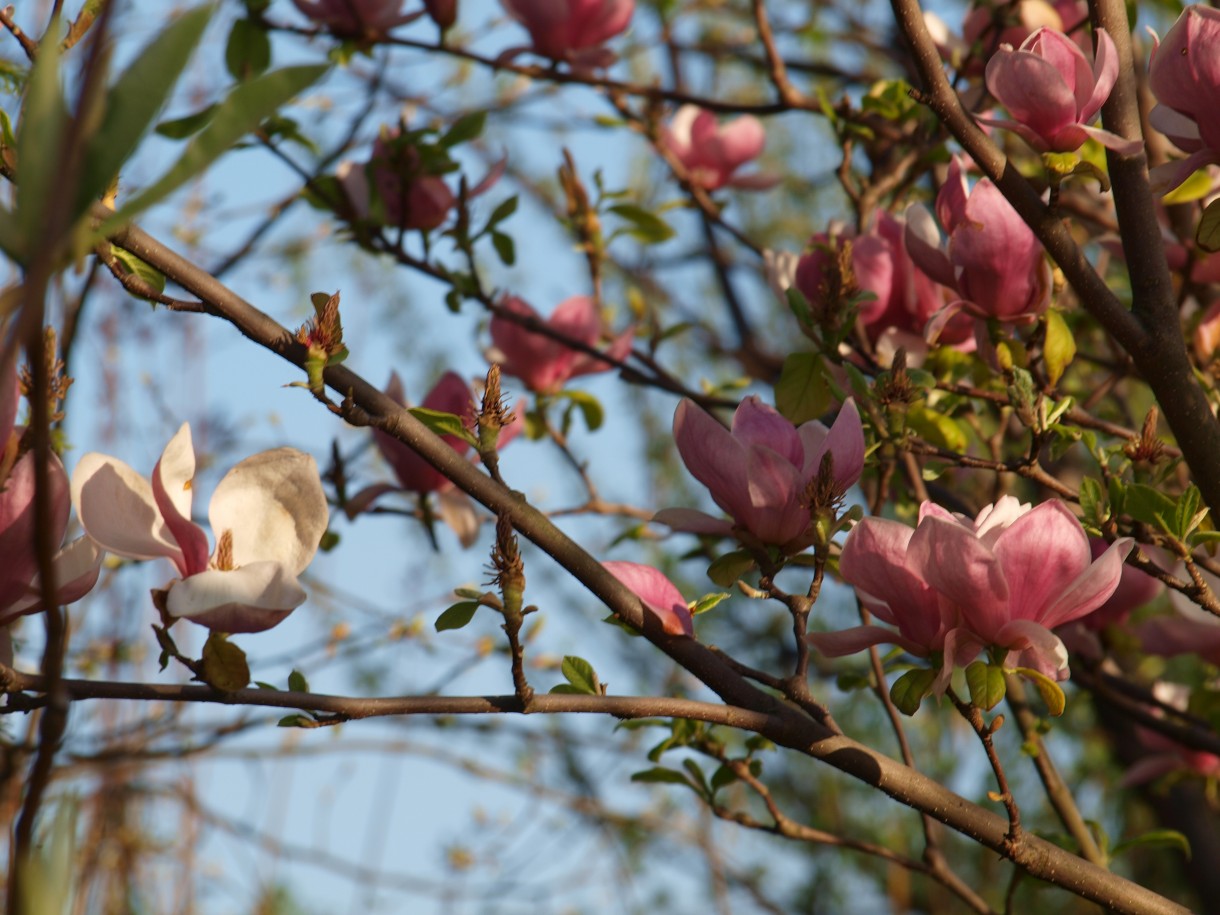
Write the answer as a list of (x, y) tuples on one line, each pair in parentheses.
[(1184, 74), (544, 364), (355, 18), (268, 514), (76, 564), (991, 259), (572, 30), (711, 152), (906, 298), (758, 472), (1052, 92), (415, 475), (657, 593), (955, 586)]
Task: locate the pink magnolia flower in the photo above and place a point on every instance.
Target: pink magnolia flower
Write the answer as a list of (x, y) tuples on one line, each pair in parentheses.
[(451, 394), (572, 30), (991, 258), (1052, 92), (268, 514), (987, 26), (657, 593), (356, 18), (76, 564), (905, 300), (955, 586), (711, 152), (1135, 589), (758, 472), (1184, 74), (395, 187), (544, 364)]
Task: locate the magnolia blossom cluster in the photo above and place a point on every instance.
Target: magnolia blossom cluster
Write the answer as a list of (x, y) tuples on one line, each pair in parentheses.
[(711, 152), (954, 586), (1184, 75), (760, 471)]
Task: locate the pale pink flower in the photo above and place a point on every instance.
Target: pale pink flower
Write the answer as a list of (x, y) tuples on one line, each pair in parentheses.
[(355, 18), (758, 472), (955, 586), (545, 364), (657, 593), (1052, 92), (572, 30), (76, 564), (1184, 75), (991, 258), (712, 152), (268, 514)]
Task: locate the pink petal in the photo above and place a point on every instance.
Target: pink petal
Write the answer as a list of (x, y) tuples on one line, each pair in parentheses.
[(1105, 74), (172, 480), (771, 509), (757, 423), (363, 500), (457, 511), (858, 638), (693, 522), (952, 560), (923, 245), (658, 594), (274, 507), (711, 454), (1093, 588), (1037, 647), (1042, 552), (1033, 90)]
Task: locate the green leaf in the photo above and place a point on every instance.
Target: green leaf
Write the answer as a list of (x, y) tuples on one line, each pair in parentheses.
[(248, 52), (986, 683), (1060, 346), (1091, 496), (726, 569), (457, 615), (1196, 187), (1050, 691), (296, 721), (503, 210), (1156, 838), (937, 429), (148, 273), (505, 248), (802, 393), (181, 128), (40, 135), (590, 407), (644, 226), (224, 664), (1144, 503), (697, 776), (707, 602), (441, 423), (1208, 233), (909, 690), (661, 775), (240, 113), (721, 777), (134, 100), (580, 673), (464, 129), (297, 682)]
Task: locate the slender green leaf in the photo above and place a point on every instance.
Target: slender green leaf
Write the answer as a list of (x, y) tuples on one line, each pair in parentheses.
[(183, 127), (40, 136), (707, 602), (134, 100), (248, 52), (1050, 691), (645, 226), (505, 248), (240, 113), (1156, 838), (148, 273), (661, 775), (1060, 346), (441, 423)]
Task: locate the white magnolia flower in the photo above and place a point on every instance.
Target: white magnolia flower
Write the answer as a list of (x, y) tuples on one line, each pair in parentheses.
[(268, 515)]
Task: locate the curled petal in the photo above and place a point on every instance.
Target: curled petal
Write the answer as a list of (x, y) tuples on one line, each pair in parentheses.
[(757, 423), (657, 593), (172, 480), (274, 506), (250, 599)]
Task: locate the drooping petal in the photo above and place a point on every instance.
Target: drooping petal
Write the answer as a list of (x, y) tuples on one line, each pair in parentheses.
[(172, 481), (658, 594), (274, 506), (250, 599), (711, 454), (858, 638), (117, 508), (457, 510)]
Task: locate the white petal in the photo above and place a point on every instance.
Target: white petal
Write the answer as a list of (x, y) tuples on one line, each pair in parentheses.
[(273, 504), (117, 509), (260, 592)]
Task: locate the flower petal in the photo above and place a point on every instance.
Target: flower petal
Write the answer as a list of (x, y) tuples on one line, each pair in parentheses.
[(693, 522), (1092, 588), (172, 482), (658, 594), (1042, 552), (952, 560), (250, 599), (273, 504), (858, 638), (117, 509), (757, 423)]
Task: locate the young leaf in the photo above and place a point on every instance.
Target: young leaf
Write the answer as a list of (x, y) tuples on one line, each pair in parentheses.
[(505, 248), (248, 52), (224, 664), (986, 683), (589, 406), (465, 129), (909, 690), (457, 615), (661, 775), (183, 127), (40, 135), (645, 226), (1060, 346), (726, 569), (802, 394), (148, 273), (580, 673), (297, 682), (1208, 233), (1156, 838), (1050, 691), (441, 423), (707, 602)]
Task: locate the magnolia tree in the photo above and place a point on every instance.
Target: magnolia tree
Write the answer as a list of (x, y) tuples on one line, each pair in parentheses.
[(902, 457)]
